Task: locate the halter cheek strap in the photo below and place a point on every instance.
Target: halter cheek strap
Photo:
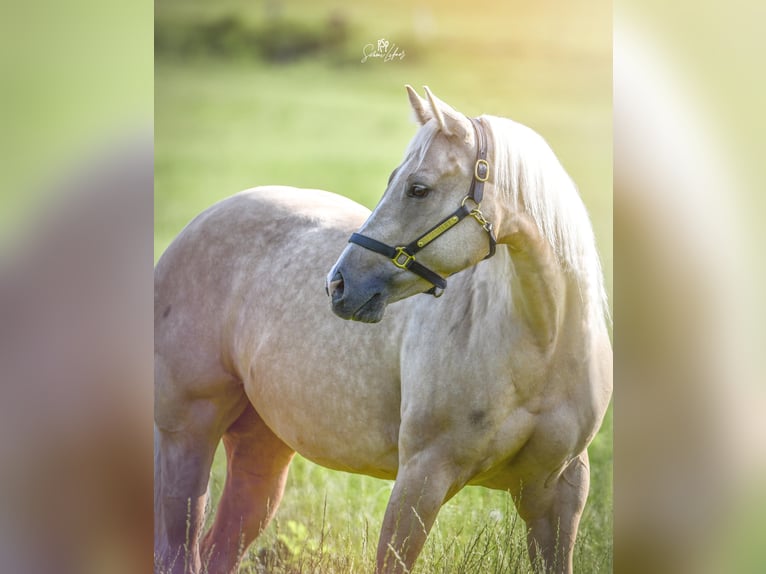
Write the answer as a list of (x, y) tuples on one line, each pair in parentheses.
[(403, 257)]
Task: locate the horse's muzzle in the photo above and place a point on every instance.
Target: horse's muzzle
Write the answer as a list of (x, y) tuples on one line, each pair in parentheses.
[(365, 303)]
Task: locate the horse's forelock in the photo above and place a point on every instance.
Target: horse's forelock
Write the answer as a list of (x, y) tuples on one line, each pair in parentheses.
[(422, 141)]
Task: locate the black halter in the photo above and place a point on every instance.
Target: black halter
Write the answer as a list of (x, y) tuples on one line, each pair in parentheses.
[(404, 256)]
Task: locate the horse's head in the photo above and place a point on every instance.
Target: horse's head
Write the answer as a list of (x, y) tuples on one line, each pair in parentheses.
[(416, 235)]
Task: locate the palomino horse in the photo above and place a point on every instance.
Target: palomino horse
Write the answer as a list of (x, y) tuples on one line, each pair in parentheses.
[(501, 382)]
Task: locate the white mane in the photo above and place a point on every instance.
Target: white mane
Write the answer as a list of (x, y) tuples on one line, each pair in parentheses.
[(530, 174)]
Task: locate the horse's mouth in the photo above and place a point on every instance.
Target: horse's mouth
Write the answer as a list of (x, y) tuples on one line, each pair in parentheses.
[(371, 311)]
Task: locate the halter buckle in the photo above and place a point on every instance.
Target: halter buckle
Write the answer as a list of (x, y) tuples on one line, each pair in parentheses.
[(402, 259), (481, 170)]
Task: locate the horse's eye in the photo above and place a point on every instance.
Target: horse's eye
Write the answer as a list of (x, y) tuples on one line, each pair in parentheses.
[(417, 190)]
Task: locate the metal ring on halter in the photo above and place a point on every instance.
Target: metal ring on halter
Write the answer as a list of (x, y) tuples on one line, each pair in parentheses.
[(468, 197)]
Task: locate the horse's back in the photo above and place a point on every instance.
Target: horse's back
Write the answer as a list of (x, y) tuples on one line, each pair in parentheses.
[(240, 230), (259, 214)]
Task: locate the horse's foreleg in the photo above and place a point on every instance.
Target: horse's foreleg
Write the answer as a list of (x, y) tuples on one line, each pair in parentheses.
[(551, 536), (256, 473), (422, 485)]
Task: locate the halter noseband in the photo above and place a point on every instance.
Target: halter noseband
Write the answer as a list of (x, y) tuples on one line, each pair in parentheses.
[(404, 256)]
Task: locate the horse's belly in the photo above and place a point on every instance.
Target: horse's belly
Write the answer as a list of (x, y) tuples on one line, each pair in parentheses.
[(338, 420)]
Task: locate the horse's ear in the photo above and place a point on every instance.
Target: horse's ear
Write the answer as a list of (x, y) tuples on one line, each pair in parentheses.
[(451, 122), (419, 106)]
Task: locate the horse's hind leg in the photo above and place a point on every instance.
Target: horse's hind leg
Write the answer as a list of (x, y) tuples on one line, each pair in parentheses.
[(188, 427), (257, 465)]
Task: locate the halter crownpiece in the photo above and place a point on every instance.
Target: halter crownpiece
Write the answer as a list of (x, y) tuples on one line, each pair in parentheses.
[(404, 256)]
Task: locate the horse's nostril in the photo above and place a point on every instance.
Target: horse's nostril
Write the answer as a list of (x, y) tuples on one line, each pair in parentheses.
[(335, 288)]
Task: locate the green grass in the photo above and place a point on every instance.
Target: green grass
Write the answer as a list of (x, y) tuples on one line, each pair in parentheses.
[(330, 523), (333, 123)]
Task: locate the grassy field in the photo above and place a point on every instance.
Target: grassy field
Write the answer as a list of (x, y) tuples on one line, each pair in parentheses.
[(328, 121)]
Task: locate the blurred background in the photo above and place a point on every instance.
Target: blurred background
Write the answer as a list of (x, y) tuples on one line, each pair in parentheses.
[(249, 93), (690, 448), (254, 93)]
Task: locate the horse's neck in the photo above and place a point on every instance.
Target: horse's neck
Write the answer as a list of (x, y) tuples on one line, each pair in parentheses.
[(541, 290), (531, 180)]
